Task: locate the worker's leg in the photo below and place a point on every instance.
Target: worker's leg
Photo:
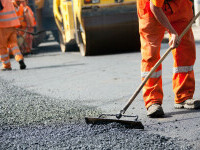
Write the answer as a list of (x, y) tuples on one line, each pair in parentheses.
[(184, 59), (14, 46), (4, 57), (151, 35), (15, 49), (9, 51), (28, 41), (20, 36)]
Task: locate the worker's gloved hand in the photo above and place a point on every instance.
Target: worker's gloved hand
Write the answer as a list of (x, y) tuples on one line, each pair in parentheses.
[(1, 6), (174, 40)]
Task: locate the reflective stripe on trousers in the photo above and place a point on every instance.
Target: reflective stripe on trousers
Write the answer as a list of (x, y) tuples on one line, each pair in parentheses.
[(6, 62), (8, 38), (14, 50), (3, 56), (184, 59), (182, 69), (154, 75)]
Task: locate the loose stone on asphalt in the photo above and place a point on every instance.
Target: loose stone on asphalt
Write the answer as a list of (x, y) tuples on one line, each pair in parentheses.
[(32, 121)]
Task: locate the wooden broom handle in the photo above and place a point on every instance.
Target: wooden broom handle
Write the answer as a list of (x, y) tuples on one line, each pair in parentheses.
[(157, 64)]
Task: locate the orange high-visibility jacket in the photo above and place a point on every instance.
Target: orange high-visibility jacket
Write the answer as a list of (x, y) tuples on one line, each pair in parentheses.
[(179, 7), (8, 16), (20, 13), (26, 16), (30, 17)]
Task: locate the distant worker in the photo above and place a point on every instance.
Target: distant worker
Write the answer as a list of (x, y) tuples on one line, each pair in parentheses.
[(8, 35), (27, 21), (155, 17)]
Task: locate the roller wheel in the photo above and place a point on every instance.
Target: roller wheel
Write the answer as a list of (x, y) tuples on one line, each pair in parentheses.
[(69, 46)]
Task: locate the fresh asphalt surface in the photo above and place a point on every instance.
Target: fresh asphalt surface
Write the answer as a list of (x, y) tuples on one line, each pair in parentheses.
[(44, 106)]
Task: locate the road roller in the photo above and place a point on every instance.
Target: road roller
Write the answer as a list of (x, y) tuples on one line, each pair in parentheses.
[(97, 26)]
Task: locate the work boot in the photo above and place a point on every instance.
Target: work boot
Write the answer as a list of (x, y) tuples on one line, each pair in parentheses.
[(6, 69), (155, 111), (188, 104), (22, 64)]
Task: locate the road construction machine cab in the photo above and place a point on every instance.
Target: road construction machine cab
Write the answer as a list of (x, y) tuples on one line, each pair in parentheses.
[(97, 26)]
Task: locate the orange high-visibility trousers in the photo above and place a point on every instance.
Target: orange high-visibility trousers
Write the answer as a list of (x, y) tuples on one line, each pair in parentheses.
[(8, 38), (151, 35)]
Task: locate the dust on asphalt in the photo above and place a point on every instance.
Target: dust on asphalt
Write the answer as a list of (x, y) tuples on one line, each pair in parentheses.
[(32, 121)]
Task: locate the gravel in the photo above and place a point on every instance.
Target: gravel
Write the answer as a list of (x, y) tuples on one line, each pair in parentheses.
[(32, 121)]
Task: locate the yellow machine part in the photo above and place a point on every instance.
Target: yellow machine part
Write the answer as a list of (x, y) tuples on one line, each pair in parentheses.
[(105, 27), (63, 14)]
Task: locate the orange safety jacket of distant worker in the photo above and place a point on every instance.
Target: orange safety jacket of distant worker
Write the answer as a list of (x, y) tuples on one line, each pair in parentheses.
[(20, 13), (179, 13), (8, 36), (27, 21), (32, 21), (25, 17)]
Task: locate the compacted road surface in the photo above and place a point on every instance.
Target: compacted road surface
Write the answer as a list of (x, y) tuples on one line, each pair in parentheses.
[(44, 106)]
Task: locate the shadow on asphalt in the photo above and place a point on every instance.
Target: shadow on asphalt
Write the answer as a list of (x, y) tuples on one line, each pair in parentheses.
[(183, 119), (176, 120), (55, 66), (182, 112), (53, 46), (171, 114)]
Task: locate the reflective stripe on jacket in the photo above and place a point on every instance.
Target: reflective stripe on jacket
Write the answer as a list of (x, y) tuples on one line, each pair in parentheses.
[(8, 16)]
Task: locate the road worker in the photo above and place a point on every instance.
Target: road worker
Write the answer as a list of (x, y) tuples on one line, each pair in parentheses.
[(156, 17), (28, 23), (8, 35)]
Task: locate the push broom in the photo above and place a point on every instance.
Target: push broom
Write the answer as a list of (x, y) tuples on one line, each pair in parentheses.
[(135, 123), (32, 33), (20, 38)]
